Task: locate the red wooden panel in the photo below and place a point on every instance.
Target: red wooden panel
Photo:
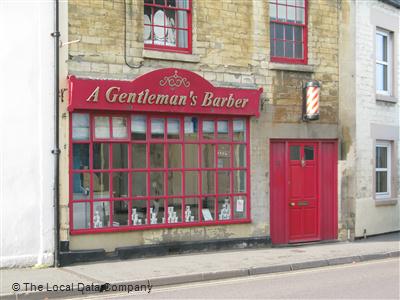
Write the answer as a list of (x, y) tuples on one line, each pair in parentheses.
[(295, 181), (310, 221), (278, 223), (295, 223), (310, 182), (328, 202)]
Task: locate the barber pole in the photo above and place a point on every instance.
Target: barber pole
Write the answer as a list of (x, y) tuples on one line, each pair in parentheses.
[(311, 100)]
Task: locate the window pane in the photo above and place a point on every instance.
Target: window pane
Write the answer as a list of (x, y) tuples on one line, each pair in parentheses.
[(174, 211), (138, 128), (156, 156), (101, 185), (80, 156), (81, 215), (239, 159), (139, 156), (208, 182), (300, 3), (289, 49), (272, 11), (182, 3), (120, 127), (102, 127), (120, 156), (191, 128), (208, 156), (223, 130), (291, 14), (239, 181), (139, 212), (224, 208), (157, 128), (183, 38), (191, 183), (174, 183), (381, 182), (300, 15), (240, 207), (281, 12), (298, 51), (120, 184), (279, 50), (298, 33), (182, 19), (101, 214), (174, 156), (208, 129), (157, 215), (381, 47), (191, 210), (173, 128), (81, 186), (208, 208), (279, 28), (239, 130), (120, 213), (224, 156), (191, 156), (289, 32), (224, 182), (381, 77), (308, 152), (381, 157), (139, 184), (294, 152), (80, 126), (157, 183), (101, 156)]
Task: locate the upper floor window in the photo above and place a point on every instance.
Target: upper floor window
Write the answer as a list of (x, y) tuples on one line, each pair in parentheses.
[(384, 62), (168, 25), (288, 31), (382, 169)]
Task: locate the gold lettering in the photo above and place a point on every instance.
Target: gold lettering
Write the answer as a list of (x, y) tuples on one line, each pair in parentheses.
[(131, 98), (122, 97), (216, 101), (146, 94), (173, 100), (151, 99), (139, 100), (182, 100), (94, 95), (162, 99), (245, 102), (207, 100), (238, 103), (114, 96), (231, 101), (223, 100)]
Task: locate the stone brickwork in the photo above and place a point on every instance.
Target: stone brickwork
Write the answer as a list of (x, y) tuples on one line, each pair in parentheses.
[(230, 48)]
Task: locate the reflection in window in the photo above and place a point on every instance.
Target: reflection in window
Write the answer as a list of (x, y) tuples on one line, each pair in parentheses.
[(80, 126), (101, 185), (223, 130), (157, 128), (81, 215), (294, 152), (100, 156), (308, 152), (208, 182), (191, 182), (138, 127), (191, 128), (157, 155), (173, 128), (208, 156), (139, 184), (239, 181), (81, 186), (101, 214), (174, 156), (157, 212), (191, 156), (80, 156), (157, 183), (224, 156), (120, 213), (208, 129), (239, 158), (174, 183), (139, 156), (239, 130), (224, 182), (119, 127), (120, 184), (120, 156), (102, 127)]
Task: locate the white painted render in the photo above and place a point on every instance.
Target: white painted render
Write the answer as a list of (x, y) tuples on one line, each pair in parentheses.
[(26, 128), (370, 217)]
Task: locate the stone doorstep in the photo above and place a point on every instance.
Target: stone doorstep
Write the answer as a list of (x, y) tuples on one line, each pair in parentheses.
[(219, 275)]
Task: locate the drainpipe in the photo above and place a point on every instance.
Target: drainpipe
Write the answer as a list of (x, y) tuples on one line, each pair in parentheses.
[(56, 149)]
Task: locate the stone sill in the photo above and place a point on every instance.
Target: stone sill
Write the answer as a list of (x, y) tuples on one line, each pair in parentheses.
[(171, 56), (290, 67), (385, 98), (386, 201)]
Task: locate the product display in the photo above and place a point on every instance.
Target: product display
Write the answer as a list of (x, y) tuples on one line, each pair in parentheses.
[(172, 217), (135, 218), (97, 222), (225, 213), (188, 214), (153, 216)]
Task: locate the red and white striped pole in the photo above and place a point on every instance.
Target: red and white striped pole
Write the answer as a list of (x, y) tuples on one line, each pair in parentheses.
[(311, 100)]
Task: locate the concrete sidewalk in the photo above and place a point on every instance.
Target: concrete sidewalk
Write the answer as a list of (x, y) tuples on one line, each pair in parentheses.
[(201, 266)]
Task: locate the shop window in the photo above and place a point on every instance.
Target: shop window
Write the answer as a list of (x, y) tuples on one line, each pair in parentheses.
[(168, 25), (382, 169), (384, 62), (288, 31), (169, 171)]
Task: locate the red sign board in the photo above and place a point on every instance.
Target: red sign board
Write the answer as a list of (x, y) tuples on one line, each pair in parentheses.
[(163, 90)]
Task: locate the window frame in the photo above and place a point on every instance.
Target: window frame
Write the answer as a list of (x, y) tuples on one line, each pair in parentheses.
[(389, 37), (215, 196), (388, 170), (164, 48), (286, 60)]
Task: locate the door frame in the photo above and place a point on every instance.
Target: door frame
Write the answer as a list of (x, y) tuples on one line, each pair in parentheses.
[(278, 189)]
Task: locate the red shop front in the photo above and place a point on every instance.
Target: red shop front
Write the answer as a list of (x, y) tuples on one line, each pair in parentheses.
[(167, 149)]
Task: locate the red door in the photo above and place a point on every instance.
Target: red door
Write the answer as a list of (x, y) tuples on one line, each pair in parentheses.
[(302, 187)]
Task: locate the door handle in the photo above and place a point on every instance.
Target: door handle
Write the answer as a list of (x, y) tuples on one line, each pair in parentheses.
[(292, 204), (302, 203)]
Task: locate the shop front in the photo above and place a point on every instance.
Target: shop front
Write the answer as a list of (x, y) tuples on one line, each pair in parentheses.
[(166, 150)]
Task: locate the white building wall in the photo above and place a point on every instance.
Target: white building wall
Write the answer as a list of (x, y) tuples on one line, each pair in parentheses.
[(372, 218), (26, 129)]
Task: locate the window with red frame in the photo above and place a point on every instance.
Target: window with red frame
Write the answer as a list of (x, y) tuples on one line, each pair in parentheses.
[(167, 25), (288, 31), (140, 171)]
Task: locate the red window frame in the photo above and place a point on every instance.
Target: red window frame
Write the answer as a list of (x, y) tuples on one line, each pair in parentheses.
[(304, 27), (166, 142), (154, 5)]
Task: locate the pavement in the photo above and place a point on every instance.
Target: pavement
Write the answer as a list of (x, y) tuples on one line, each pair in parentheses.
[(169, 270)]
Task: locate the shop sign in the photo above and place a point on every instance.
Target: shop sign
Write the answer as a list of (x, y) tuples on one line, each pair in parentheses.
[(163, 90)]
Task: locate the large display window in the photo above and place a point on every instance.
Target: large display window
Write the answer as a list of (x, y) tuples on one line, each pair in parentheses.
[(140, 171)]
